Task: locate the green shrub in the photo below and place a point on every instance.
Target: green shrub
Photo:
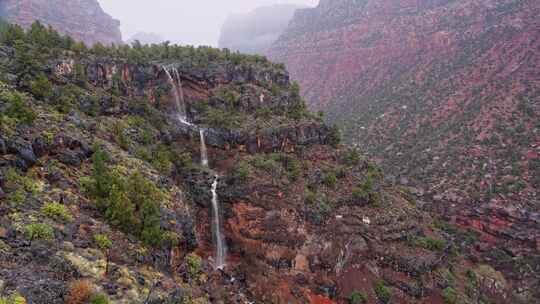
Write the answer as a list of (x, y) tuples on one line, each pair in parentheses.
[(170, 239), (449, 295), (13, 299), (41, 87), (38, 231), (99, 299), (382, 291), (264, 162), (64, 103), (357, 297), (334, 136), (310, 197), (362, 192), (428, 243), (193, 266), (102, 179), (241, 171), (14, 180), (330, 179), (223, 119), (102, 242), (18, 186), (119, 210), (162, 159), (130, 203), (57, 211), (17, 197), (263, 114), (352, 157), (144, 153), (120, 135), (92, 106), (298, 110), (16, 108), (292, 165)]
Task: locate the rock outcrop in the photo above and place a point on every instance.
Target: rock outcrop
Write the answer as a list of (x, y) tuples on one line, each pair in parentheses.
[(254, 32), (83, 20), (444, 93)]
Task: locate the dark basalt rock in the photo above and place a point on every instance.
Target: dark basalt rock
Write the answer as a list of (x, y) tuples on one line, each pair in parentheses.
[(24, 152), (40, 146), (44, 291), (199, 184), (70, 158), (183, 225), (3, 146)]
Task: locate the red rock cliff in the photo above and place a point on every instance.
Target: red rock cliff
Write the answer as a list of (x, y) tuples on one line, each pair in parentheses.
[(443, 91), (83, 20)]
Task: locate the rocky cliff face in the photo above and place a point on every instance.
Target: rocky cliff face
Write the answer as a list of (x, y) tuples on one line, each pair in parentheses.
[(83, 20), (254, 33), (444, 93), (91, 147)]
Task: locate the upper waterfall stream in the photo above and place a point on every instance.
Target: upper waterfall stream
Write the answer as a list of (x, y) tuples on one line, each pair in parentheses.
[(178, 93)]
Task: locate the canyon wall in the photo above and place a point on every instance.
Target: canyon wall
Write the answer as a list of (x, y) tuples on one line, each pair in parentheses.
[(83, 20), (443, 92)]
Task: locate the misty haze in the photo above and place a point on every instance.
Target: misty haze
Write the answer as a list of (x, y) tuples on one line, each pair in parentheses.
[(266, 151), (184, 22)]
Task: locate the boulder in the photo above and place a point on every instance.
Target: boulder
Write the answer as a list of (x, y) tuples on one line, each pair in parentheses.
[(25, 154), (40, 146), (70, 158)]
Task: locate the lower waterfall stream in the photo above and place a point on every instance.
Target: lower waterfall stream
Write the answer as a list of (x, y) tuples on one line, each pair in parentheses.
[(217, 230)]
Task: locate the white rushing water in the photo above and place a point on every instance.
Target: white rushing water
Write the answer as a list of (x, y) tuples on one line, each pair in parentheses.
[(204, 151), (221, 251), (217, 229), (178, 93)]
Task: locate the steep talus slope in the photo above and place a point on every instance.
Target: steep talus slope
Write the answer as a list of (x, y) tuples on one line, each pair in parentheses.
[(444, 93), (83, 20), (92, 150)]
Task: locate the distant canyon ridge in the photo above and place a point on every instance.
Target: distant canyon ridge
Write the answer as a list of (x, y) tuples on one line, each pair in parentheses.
[(83, 20), (256, 32)]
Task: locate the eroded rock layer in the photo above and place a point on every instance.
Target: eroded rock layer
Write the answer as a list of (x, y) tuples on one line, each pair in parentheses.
[(83, 20)]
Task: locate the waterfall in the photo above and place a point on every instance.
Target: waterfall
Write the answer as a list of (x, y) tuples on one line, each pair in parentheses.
[(217, 232), (178, 92), (204, 151), (217, 229)]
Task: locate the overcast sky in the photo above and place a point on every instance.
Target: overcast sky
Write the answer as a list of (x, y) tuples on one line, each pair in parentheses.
[(195, 22)]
